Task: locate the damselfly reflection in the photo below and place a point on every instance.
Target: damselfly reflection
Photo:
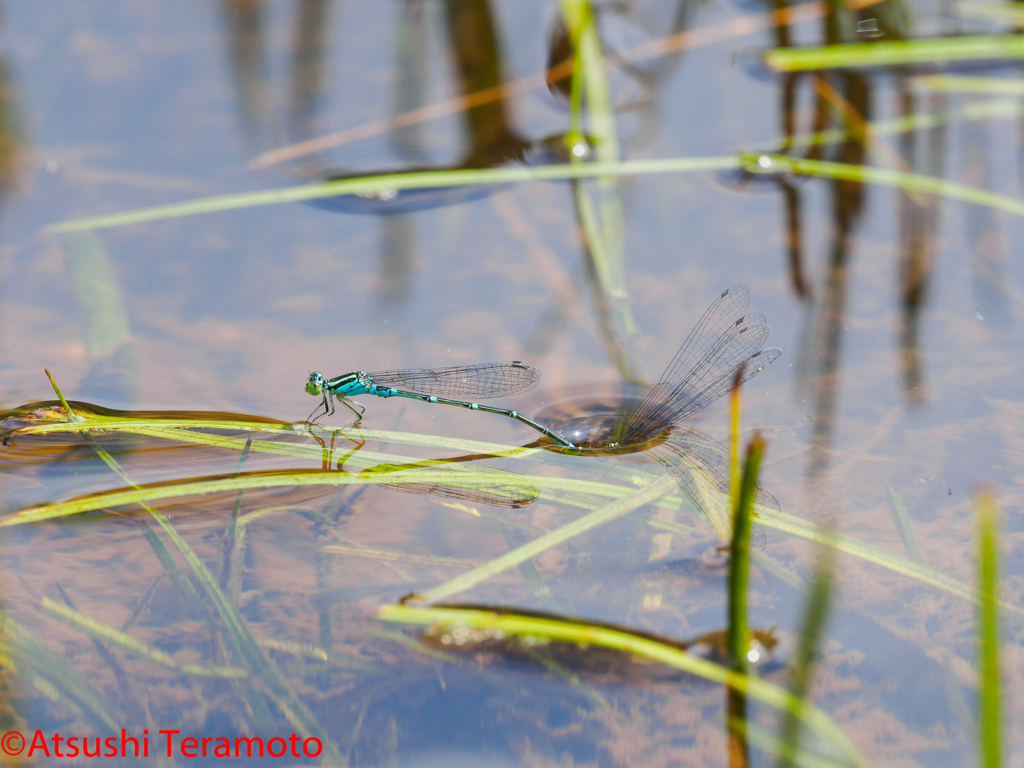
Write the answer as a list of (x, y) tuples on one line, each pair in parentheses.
[(699, 464), (475, 485), (722, 350), (447, 478)]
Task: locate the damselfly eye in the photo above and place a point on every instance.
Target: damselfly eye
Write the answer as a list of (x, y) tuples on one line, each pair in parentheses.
[(315, 384)]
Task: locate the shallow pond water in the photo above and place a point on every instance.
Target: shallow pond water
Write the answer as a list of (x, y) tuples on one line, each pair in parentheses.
[(248, 607)]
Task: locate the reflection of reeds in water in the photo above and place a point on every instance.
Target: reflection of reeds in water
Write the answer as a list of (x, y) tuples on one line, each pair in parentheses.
[(244, 22), (846, 99), (925, 151), (307, 87), (106, 330)]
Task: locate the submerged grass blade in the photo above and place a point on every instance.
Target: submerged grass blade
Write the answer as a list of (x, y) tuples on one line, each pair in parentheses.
[(264, 674), (896, 52), (25, 649), (605, 637), (543, 543), (174, 572), (133, 646), (395, 181), (989, 709), (902, 520)]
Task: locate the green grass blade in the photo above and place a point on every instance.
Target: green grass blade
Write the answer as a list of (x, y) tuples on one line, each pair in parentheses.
[(72, 417), (918, 121), (34, 419), (872, 554), (478, 478), (993, 86), (543, 543), (395, 181), (131, 645), (908, 182), (896, 52), (902, 521), (989, 709), (742, 493), (739, 560), (605, 637), (813, 627), (264, 674), (602, 224)]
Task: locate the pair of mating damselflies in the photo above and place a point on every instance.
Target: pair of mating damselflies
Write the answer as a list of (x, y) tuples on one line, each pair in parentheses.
[(722, 351)]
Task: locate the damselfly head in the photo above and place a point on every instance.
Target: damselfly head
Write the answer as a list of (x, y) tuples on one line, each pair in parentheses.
[(315, 384)]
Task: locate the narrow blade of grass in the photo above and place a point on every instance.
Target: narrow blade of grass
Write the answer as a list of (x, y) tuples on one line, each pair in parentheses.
[(739, 560), (1001, 86), (872, 554), (395, 181), (21, 645), (543, 543), (815, 617), (918, 121), (989, 708), (72, 417), (896, 52), (136, 647), (742, 493), (602, 224), (605, 637), (481, 478), (908, 182), (264, 674), (902, 520)]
